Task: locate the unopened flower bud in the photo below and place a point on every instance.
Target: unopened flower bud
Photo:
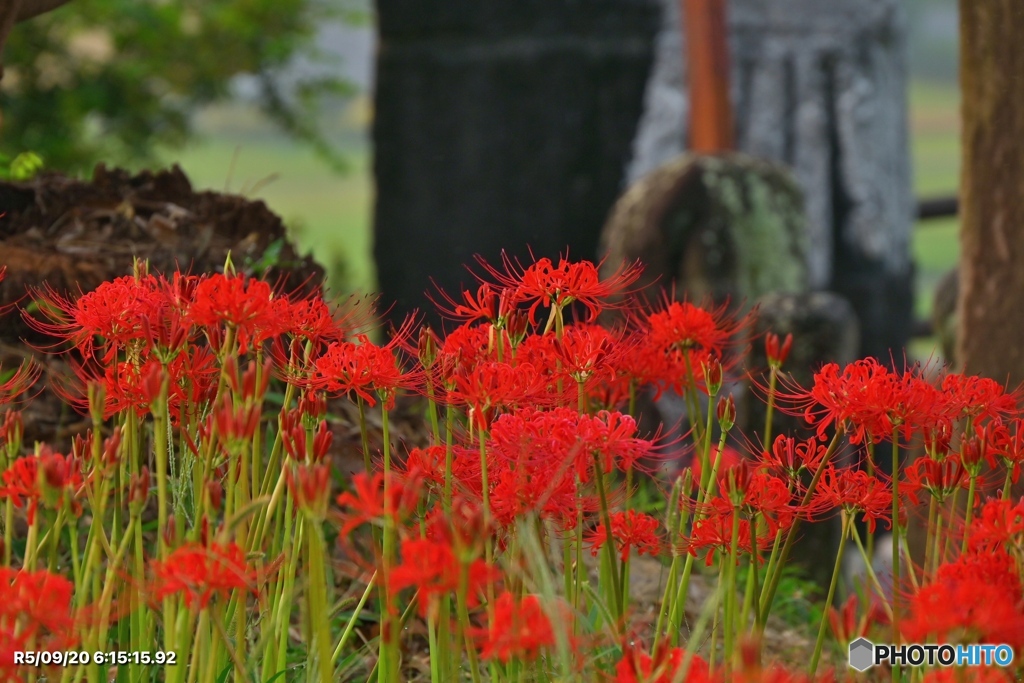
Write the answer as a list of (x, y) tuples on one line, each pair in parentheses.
[(313, 407), (96, 395), (112, 447), (138, 491), (777, 354), (726, 413), (215, 495), (11, 432), (517, 325), (713, 376), (737, 481), (170, 531), (427, 347)]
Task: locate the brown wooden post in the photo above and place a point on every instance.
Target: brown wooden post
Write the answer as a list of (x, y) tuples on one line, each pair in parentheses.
[(992, 189), (707, 54)]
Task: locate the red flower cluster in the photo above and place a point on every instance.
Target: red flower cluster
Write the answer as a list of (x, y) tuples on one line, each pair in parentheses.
[(35, 614), (200, 573), (522, 628), (630, 530)]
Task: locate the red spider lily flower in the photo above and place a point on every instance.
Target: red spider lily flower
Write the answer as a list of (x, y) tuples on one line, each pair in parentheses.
[(636, 666), (870, 401), (855, 492), (200, 573), (587, 351), (1007, 443), (532, 458), (16, 384), (432, 567), (542, 283), (245, 304), (363, 367), (993, 566), (464, 348), (682, 326), (48, 478), (516, 492), (1000, 523), (521, 629), (964, 611), (612, 437), (730, 458), (940, 478), (489, 304), (426, 464), (714, 532), (630, 529), (311, 319), (310, 486), (366, 502), (790, 456), (977, 398), (35, 614), (764, 494), (845, 623), (492, 386), (113, 312)]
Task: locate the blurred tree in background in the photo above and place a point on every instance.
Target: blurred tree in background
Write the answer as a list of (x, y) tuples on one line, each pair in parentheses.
[(113, 79)]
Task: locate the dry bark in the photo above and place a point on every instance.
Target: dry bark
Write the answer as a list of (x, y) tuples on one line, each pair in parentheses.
[(992, 189)]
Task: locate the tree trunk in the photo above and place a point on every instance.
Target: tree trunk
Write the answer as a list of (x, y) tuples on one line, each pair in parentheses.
[(992, 189)]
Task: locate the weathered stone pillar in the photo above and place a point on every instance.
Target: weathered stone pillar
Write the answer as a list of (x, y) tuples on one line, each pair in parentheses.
[(821, 88), (500, 125)]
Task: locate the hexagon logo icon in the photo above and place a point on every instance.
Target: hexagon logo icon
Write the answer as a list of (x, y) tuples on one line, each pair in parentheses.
[(862, 654)]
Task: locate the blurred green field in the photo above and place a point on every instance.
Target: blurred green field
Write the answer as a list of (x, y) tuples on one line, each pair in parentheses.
[(329, 214)]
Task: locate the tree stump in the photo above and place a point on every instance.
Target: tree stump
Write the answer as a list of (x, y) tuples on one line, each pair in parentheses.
[(500, 126), (721, 228), (821, 88)]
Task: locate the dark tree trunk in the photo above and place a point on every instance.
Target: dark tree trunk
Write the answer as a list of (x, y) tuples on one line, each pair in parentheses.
[(992, 189), (499, 126)]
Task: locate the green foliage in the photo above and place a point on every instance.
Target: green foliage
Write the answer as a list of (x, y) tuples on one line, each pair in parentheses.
[(798, 600), (111, 79), (24, 166)]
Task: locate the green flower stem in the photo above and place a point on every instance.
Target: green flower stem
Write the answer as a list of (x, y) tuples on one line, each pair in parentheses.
[(896, 549), (772, 580), (729, 620), (751, 589), (463, 625), (933, 510), (836, 571), (670, 594), (283, 615), (350, 626), (855, 535), (773, 380), (722, 596), (613, 560), (390, 632), (160, 452), (969, 513), (319, 655), (692, 403)]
